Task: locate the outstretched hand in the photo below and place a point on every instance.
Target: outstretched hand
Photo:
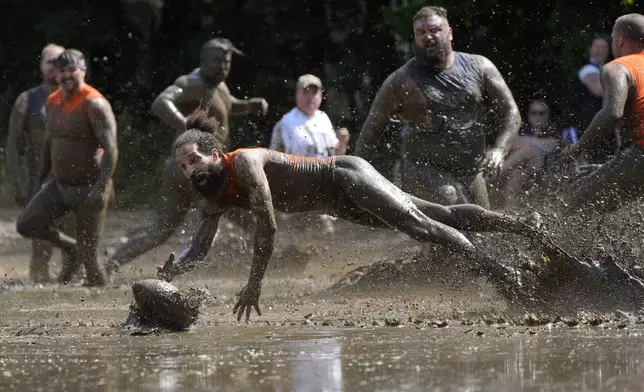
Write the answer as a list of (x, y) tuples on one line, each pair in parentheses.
[(493, 161), (248, 299), (168, 271)]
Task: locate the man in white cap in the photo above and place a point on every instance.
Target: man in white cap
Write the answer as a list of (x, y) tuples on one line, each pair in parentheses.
[(307, 131)]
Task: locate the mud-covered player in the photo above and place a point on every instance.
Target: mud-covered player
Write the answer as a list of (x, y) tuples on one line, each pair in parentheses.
[(347, 187), (81, 152)]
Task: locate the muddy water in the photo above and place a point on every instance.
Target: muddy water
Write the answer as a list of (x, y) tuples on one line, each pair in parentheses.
[(380, 359)]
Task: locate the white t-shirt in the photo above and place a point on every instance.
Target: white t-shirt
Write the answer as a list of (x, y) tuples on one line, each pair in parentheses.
[(298, 134)]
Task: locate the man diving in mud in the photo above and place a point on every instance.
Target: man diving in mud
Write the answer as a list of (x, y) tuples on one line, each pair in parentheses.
[(81, 152), (347, 187), (443, 97), (24, 151), (621, 180), (207, 84)]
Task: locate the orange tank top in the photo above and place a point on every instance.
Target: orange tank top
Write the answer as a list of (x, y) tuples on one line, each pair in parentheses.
[(231, 191), (634, 63), (74, 103)]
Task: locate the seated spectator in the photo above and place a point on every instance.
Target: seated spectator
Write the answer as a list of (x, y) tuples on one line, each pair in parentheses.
[(537, 142), (307, 131)]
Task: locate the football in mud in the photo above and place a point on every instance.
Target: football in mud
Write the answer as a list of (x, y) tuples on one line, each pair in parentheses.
[(161, 303)]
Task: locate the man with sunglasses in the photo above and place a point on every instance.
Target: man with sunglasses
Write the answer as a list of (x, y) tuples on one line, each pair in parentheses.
[(80, 150), (24, 148)]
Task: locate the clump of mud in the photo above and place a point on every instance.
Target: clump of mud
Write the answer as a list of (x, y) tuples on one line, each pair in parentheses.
[(160, 306)]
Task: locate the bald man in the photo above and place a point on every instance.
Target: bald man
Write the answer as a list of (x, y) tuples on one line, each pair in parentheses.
[(24, 149), (620, 180)]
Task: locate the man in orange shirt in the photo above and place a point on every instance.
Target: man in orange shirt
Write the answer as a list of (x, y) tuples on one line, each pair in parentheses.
[(620, 180), (81, 153)]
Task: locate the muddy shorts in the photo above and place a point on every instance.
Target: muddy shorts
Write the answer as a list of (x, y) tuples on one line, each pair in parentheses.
[(439, 185)]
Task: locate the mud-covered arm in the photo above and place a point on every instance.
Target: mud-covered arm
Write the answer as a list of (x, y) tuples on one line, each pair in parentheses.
[(103, 123), (499, 98), (17, 122), (201, 242), (242, 107), (165, 104), (615, 80), (251, 176), (384, 106)]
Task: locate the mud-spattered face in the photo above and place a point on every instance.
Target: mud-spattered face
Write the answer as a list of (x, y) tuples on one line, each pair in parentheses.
[(47, 68), (215, 64), (205, 171), (70, 78), (432, 39), (308, 99)]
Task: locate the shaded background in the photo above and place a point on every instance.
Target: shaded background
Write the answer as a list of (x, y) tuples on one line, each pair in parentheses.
[(138, 47)]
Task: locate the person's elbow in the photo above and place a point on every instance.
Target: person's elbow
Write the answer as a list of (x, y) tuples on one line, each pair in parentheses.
[(158, 105), (613, 115)]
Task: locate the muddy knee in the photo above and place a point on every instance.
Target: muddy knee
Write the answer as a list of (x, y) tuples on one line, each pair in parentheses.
[(26, 225), (448, 194)]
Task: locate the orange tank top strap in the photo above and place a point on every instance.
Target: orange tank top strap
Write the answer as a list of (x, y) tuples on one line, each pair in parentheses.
[(634, 63), (229, 164), (74, 102)]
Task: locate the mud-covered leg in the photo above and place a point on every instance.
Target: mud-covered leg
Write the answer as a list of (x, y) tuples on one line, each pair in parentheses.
[(471, 217), (367, 192), (170, 213), (89, 230), (36, 221), (368, 196), (41, 252), (69, 260)]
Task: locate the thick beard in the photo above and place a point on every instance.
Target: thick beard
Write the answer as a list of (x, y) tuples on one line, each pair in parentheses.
[(431, 61), (215, 182)]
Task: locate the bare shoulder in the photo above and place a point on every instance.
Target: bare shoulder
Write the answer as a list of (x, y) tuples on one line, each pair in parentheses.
[(486, 65), (99, 104), (223, 87), (21, 102), (615, 70), (251, 158), (397, 78)]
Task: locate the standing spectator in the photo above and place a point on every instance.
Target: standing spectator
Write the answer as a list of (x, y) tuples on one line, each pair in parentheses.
[(590, 98), (307, 131)]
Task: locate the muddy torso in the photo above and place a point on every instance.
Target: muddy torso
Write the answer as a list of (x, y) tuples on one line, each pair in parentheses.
[(297, 184), (75, 153), (218, 97), (444, 113), (35, 128)]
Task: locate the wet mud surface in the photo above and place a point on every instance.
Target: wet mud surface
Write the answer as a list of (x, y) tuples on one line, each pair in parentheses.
[(376, 293)]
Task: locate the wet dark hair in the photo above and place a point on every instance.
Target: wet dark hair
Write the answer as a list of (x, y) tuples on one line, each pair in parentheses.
[(631, 26), (205, 142), (201, 129), (426, 12), (70, 57)]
